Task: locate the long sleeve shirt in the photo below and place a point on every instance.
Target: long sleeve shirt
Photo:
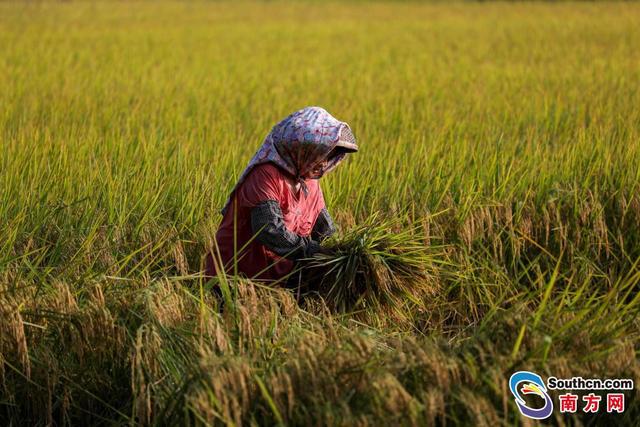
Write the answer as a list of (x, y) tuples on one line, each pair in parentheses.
[(269, 225)]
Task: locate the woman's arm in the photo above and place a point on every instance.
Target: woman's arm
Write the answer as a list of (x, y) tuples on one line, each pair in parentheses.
[(324, 226), (268, 223)]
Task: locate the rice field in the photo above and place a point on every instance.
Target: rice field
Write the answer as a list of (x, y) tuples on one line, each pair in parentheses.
[(497, 180)]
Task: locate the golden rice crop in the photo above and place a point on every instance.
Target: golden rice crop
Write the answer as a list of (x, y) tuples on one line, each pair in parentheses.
[(499, 149), (372, 266)]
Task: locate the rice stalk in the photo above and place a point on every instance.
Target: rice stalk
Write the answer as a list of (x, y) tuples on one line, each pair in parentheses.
[(372, 267)]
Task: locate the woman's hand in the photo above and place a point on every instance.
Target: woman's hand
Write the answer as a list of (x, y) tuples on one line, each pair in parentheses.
[(325, 251)]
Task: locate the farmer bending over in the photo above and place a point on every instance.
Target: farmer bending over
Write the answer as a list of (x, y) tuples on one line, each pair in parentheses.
[(280, 214)]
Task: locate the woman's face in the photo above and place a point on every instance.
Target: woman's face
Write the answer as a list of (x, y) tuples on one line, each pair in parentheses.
[(318, 168), (322, 166)]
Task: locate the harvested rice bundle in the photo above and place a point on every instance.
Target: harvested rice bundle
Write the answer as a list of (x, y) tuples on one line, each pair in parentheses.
[(372, 266)]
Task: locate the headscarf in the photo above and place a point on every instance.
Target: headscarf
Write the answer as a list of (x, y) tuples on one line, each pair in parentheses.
[(300, 142)]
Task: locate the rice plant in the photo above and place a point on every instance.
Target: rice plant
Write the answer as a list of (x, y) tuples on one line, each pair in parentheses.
[(374, 266), (489, 223)]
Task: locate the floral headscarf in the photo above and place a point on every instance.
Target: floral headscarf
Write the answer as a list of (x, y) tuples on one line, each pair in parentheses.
[(300, 142)]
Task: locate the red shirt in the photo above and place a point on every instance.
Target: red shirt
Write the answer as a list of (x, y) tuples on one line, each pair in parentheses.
[(265, 182)]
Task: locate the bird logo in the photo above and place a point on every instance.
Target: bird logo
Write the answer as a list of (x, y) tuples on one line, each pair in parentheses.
[(533, 385)]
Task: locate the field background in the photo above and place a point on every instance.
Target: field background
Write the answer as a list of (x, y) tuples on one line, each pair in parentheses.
[(508, 133)]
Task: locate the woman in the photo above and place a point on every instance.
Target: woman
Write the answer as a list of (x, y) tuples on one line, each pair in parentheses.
[(276, 213)]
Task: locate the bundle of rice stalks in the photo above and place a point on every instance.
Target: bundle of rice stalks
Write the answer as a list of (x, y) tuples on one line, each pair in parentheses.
[(373, 266)]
